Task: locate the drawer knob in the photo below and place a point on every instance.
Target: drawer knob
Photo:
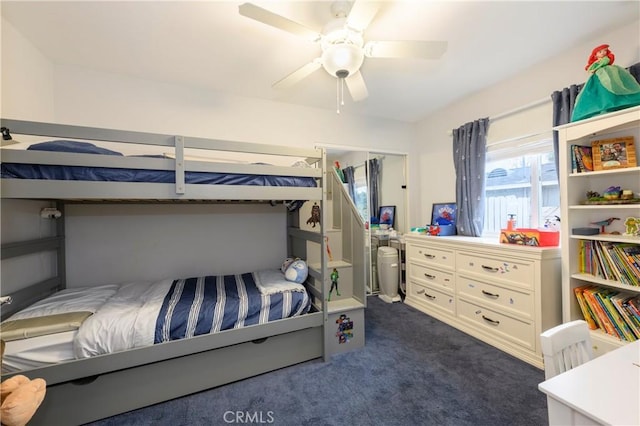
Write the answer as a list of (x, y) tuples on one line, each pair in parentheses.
[(429, 276), (429, 256), (429, 296), (486, 293), (489, 320), (489, 268), (420, 291)]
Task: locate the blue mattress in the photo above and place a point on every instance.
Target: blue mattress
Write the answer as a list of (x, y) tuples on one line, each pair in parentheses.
[(108, 174)]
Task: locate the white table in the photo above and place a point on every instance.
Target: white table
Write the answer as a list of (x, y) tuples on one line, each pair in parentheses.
[(605, 390)]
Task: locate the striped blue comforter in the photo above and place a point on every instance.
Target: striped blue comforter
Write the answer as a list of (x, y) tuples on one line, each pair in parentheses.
[(203, 305)]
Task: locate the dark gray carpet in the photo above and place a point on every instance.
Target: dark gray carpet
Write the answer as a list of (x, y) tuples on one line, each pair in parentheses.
[(412, 370)]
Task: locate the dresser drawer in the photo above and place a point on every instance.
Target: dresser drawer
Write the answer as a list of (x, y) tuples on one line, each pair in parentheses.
[(434, 277), (430, 296), (497, 324), (519, 302), (432, 255), (517, 272)]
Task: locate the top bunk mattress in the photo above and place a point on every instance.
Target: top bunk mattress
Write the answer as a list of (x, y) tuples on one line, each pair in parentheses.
[(112, 174), (63, 162)]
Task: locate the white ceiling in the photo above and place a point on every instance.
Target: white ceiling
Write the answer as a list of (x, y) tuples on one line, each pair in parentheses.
[(209, 45)]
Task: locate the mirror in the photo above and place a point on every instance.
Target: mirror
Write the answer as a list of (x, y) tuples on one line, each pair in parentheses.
[(390, 187)]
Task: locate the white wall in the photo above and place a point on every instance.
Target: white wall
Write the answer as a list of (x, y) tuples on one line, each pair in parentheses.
[(436, 177), (27, 78)]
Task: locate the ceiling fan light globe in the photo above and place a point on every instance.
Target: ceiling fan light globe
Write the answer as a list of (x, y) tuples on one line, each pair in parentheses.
[(342, 57)]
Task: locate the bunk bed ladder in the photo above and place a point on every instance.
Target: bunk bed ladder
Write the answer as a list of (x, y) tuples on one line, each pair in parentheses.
[(29, 295)]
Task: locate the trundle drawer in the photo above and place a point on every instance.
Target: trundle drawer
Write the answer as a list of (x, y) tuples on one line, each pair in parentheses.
[(435, 277), (518, 272), (499, 325), (433, 297), (520, 302), (433, 255)]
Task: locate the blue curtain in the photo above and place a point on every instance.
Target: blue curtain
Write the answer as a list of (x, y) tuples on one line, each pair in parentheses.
[(350, 181), (563, 102), (374, 186), (469, 153)]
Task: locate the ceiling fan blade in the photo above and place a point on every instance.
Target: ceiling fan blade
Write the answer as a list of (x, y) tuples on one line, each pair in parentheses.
[(357, 87), (299, 74), (266, 17), (361, 14), (405, 49)]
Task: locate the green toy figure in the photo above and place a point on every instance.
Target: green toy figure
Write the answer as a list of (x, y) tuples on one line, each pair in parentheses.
[(334, 283)]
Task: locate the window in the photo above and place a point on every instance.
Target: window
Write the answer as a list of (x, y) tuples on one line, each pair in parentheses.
[(521, 180), (361, 192)]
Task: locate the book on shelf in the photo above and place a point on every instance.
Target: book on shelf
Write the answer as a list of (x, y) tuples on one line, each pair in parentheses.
[(622, 327), (608, 260), (631, 253), (620, 303), (597, 307), (588, 315), (615, 312), (581, 159), (633, 306), (574, 160)]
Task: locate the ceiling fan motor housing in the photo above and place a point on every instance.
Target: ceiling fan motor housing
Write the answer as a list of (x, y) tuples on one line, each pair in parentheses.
[(342, 58), (342, 49)]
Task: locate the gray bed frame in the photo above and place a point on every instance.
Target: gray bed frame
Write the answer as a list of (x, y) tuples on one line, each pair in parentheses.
[(86, 390)]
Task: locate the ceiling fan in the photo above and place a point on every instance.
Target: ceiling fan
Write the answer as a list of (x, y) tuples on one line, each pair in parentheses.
[(343, 44)]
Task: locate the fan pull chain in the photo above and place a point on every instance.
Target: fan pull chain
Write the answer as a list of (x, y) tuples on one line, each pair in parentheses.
[(338, 96), (339, 93)]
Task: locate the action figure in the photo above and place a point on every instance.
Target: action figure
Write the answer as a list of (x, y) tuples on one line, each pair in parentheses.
[(315, 215), (334, 283)]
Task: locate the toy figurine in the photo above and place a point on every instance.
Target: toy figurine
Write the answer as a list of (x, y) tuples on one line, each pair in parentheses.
[(326, 240), (604, 223), (632, 226), (608, 88), (315, 215), (334, 283)]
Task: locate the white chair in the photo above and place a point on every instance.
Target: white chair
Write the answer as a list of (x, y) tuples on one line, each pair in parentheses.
[(565, 346)]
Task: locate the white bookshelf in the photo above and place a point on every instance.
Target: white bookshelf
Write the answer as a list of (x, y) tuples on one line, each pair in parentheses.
[(575, 214)]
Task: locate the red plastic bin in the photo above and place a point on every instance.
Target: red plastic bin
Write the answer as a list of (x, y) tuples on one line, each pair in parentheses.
[(530, 237)]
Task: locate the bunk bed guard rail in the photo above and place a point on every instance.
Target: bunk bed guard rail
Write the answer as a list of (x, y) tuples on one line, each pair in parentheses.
[(180, 165)]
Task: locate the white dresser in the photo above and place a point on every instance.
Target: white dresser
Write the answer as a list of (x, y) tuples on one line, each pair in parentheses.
[(503, 294)]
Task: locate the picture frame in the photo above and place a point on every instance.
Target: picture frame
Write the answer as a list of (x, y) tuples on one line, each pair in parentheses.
[(444, 214), (614, 153), (387, 215)]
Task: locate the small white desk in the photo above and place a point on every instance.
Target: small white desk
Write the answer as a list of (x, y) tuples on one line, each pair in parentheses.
[(605, 390)]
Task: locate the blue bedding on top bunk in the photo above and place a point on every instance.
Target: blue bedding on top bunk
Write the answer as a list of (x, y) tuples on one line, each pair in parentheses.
[(108, 174), (196, 306)]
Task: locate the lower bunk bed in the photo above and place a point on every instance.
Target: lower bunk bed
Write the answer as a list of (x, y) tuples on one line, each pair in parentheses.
[(147, 362), (110, 349)]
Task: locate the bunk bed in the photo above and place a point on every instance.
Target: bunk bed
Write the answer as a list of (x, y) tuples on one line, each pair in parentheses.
[(105, 384)]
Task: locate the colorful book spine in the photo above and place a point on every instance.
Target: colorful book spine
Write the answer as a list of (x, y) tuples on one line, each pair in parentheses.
[(596, 305), (578, 155), (586, 157), (620, 302), (621, 325), (588, 315), (634, 307), (574, 160)]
